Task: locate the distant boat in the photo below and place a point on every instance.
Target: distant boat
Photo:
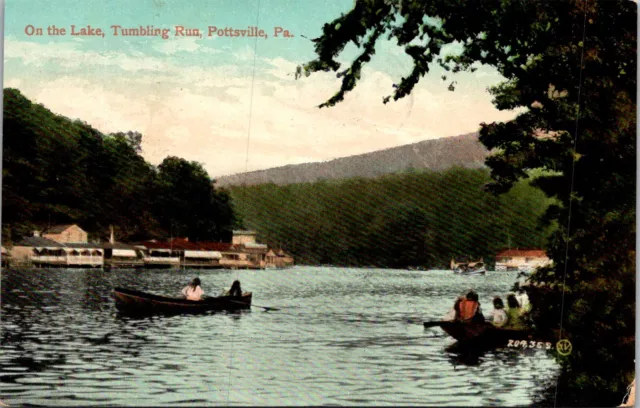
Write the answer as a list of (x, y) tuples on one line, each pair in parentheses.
[(469, 268), (135, 302)]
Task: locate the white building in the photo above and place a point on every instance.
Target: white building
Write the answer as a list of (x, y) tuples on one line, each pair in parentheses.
[(524, 260)]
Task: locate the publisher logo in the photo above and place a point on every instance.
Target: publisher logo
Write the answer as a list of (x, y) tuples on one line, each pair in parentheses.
[(564, 347)]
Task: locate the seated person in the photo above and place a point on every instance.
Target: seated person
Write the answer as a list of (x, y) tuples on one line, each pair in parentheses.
[(234, 290), (193, 291), (499, 315), (523, 300), (468, 309), (451, 315), (514, 313)]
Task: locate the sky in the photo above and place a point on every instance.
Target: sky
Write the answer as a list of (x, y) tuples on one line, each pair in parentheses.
[(232, 104)]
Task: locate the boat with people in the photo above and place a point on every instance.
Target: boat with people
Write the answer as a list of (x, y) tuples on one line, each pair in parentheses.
[(481, 333), (136, 302), (466, 323), (469, 268)]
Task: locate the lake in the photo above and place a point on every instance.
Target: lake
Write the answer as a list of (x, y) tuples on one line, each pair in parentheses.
[(342, 336)]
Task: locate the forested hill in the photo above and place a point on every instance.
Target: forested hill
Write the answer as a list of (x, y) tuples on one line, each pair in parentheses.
[(438, 154), (59, 171), (423, 218)]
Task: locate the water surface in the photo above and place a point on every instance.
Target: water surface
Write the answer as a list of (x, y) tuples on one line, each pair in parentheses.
[(342, 337)]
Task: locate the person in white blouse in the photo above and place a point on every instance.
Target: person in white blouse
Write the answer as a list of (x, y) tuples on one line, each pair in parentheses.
[(193, 291), (523, 300), (499, 315)]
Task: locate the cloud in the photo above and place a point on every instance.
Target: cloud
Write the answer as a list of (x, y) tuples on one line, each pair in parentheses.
[(69, 55), (281, 68), (211, 114), (183, 44), (245, 53), (105, 109)]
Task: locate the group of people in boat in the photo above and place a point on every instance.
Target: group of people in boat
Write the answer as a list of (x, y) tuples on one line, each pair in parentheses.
[(467, 309), (193, 291)]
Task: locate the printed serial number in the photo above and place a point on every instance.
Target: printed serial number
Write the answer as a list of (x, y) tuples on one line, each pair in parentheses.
[(529, 344)]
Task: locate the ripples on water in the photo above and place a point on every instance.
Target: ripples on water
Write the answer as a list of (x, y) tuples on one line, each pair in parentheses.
[(342, 337)]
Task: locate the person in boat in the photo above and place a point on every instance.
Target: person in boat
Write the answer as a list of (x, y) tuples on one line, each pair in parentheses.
[(193, 291), (234, 290), (499, 315), (523, 300), (453, 313), (514, 313), (468, 310)]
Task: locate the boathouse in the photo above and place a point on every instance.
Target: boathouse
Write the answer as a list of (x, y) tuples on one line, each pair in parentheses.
[(119, 255), (284, 260), (83, 254), (255, 253), (28, 249), (43, 252), (278, 259), (197, 254), (160, 255), (270, 259), (524, 260)]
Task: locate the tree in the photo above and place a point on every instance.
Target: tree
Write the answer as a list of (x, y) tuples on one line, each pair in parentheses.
[(187, 204), (130, 199), (399, 220), (134, 139), (60, 171), (571, 67)]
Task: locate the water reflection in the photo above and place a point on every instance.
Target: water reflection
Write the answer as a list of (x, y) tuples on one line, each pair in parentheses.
[(343, 336)]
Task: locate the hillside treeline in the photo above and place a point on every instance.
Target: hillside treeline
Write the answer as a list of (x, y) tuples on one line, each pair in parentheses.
[(55, 170), (419, 219)]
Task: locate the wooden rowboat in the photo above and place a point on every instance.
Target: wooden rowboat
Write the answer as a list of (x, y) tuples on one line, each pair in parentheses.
[(480, 334), (136, 302)]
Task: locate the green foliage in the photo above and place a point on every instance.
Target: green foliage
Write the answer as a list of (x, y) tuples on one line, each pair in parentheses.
[(572, 66), (134, 139), (61, 171), (402, 220), (188, 204)]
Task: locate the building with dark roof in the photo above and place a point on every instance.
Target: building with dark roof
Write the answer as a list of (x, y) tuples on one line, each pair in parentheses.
[(43, 251)]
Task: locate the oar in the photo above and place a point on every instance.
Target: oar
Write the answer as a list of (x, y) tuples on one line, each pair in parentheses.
[(445, 323), (266, 309), (433, 324)]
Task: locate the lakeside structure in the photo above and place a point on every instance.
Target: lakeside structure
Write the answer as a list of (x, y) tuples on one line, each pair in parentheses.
[(523, 260), (68, 246)]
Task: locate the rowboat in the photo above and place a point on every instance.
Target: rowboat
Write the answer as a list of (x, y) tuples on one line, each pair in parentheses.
[(136, 302), (479, 334), (468, 268), (475, 271)]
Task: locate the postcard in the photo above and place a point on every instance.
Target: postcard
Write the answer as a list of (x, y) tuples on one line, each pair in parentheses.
[(298, 203)]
